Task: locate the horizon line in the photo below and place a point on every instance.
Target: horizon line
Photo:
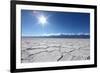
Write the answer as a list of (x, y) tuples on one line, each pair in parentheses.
[(59, 34)]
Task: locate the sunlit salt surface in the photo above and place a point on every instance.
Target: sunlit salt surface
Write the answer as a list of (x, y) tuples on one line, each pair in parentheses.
[(54, 49)]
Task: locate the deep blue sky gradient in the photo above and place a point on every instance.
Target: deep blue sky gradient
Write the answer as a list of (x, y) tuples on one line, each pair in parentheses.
[(58, 22)]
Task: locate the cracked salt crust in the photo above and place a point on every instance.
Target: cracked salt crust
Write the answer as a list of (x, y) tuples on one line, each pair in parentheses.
[(52, 49)]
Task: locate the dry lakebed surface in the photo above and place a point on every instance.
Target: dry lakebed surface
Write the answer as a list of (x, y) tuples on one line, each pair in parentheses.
[(54, 49)]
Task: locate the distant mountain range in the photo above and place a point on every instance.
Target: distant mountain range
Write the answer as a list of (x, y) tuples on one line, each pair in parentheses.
[(62, 36)]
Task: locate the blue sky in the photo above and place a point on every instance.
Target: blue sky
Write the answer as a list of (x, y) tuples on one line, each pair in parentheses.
[(56, 22)]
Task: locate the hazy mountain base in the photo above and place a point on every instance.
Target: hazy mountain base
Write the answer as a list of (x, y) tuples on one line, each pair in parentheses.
[(54, 49)]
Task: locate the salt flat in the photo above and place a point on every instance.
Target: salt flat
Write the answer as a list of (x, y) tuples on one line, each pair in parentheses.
[(54, 49)]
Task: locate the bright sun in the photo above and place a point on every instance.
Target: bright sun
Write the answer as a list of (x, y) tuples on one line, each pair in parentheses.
[(42, 20)]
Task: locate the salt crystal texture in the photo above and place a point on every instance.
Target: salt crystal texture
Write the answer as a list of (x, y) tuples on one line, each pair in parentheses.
[(54, 49)]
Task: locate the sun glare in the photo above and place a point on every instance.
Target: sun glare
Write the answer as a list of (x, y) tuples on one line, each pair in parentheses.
[(42, 20)]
